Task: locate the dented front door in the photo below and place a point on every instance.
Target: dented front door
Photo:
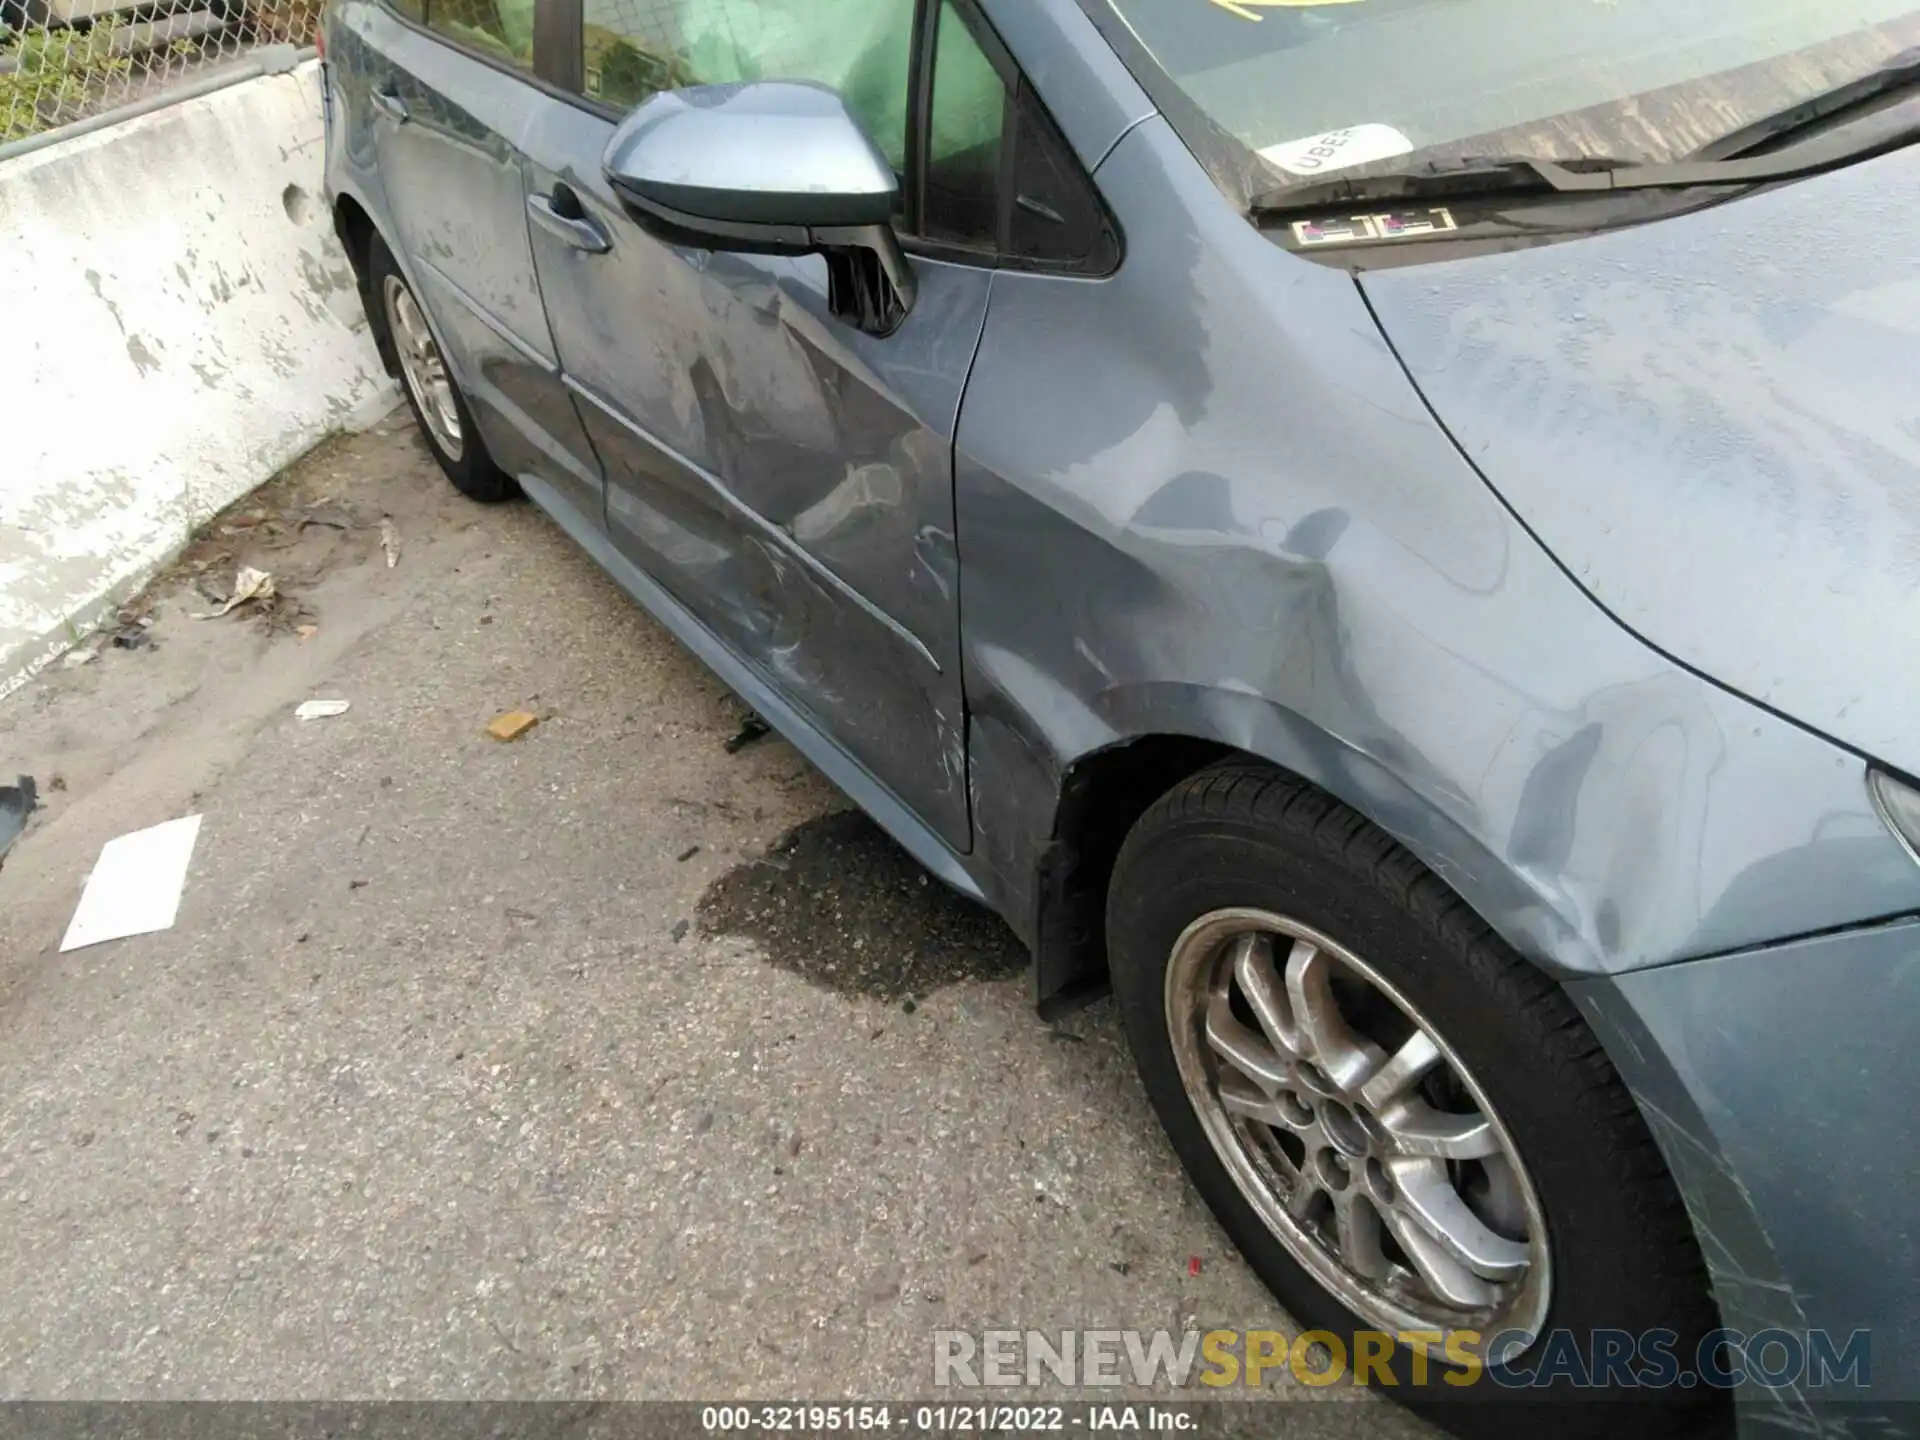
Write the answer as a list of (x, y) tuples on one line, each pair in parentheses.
[(786, 477)]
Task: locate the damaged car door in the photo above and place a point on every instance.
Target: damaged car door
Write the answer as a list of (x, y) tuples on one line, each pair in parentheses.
[(786, 475)]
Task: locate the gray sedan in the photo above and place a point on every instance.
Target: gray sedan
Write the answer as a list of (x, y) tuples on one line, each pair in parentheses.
[(1382, 531)]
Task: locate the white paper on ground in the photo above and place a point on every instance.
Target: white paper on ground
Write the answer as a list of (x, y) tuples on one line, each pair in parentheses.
[(321, 709), (135, 886), (1338, 149)]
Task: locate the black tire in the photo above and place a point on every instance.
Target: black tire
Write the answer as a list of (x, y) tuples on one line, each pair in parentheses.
[(1623, 1253), (472, 471)]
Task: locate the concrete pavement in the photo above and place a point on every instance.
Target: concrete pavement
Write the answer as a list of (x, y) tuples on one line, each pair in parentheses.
[(600, 1064)]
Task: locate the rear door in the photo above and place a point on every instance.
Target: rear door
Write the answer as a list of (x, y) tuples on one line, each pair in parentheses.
[(787, 477), (451, 88)]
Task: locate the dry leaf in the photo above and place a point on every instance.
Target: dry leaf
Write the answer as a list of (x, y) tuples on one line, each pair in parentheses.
[(249, 584)]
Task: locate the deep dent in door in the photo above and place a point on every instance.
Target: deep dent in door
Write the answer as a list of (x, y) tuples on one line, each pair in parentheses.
[(851, 584), (785, 477)]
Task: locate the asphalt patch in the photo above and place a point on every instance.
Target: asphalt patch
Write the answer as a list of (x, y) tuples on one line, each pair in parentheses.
[(836, 902)]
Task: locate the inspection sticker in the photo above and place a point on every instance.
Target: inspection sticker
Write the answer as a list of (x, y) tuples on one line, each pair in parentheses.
[(1338, 149)]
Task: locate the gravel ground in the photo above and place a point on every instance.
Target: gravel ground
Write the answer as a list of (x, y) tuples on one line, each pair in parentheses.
[(601, 1064)]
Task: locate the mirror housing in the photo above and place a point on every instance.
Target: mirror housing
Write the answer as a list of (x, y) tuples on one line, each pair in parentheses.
[(769, 167)]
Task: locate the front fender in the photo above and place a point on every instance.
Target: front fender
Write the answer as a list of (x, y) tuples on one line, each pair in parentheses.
[(1247, 529)]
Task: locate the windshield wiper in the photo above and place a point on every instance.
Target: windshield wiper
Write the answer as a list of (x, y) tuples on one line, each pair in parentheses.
[(1589, 176), (1439, 179), (1898, 73)]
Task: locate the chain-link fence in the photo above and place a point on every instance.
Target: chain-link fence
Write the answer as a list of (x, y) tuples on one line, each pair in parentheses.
[(64, 60)]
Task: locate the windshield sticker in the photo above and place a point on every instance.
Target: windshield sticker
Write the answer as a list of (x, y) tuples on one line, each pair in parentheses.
[(1338, 149), (1250, 9), (1361, 229)]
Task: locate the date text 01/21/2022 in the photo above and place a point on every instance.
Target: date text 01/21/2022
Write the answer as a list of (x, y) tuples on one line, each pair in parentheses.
[(945, 1419)]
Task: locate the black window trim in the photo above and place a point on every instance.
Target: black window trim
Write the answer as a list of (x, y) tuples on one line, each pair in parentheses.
[(926, 31), (1018, 88), (926, 69), (1057, 141), (564, 59), (537, 75)]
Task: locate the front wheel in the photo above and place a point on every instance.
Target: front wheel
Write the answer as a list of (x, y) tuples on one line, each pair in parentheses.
[(442, 412), (1407, 1129)]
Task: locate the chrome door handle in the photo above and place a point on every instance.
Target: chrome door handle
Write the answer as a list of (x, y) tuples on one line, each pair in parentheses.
[(578, 231), (392, 104)]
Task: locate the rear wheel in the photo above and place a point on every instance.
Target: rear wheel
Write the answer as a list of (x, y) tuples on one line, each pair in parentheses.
[(442, 412), (1403, 1125)]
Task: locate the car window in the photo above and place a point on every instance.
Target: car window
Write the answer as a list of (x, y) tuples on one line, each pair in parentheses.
[(966, 121), (1056, 219), (496, 27), (861, 48), (1316, 88)]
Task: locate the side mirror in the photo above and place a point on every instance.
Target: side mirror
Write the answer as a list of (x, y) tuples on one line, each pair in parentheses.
[(769, 167)]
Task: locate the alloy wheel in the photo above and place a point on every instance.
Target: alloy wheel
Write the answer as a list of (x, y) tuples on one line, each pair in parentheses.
[(1355, 1132), (423, 368)]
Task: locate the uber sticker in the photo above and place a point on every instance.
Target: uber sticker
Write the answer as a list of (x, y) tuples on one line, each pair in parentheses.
[(1338, 149)]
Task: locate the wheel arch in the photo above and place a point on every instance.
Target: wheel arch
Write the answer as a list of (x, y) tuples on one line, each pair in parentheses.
[(355, 226), (1104, 789), (1102, 796)]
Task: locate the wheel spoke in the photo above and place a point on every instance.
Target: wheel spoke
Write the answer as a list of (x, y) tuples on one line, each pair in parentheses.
[(1305, 1191), (1346, 1059), (1419, 1129), (1401, 1073), (1266, 993), (1358, 1224), (1241, 1048), (414, 332), (410, 323), (1241, 1096), (1429, 1201), (1453, 1282)]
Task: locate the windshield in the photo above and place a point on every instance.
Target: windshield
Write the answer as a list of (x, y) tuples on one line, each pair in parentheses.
[(1318, 86)]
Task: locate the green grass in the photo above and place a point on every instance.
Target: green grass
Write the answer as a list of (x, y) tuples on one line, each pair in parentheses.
[(59, 71)]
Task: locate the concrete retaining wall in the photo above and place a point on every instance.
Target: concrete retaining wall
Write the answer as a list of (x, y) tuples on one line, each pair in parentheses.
[(177, 322)]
